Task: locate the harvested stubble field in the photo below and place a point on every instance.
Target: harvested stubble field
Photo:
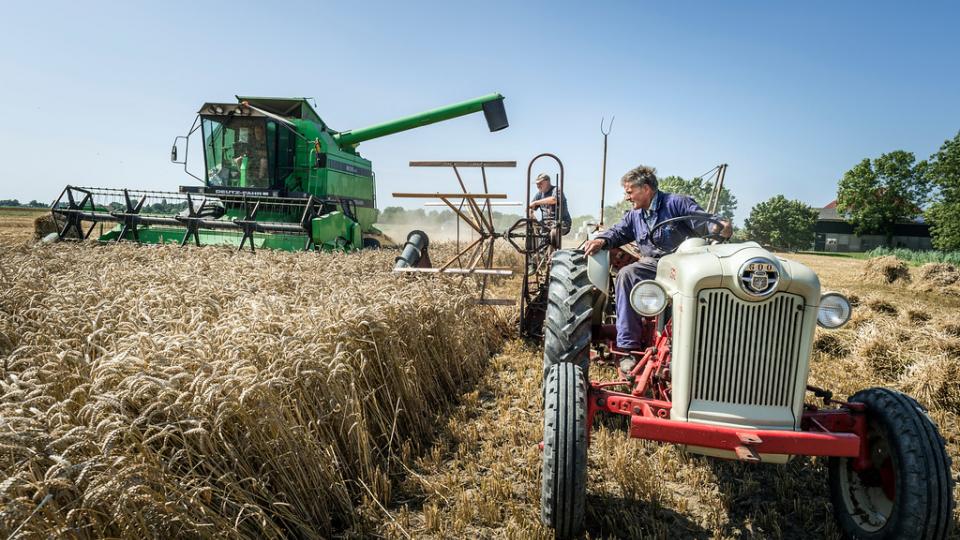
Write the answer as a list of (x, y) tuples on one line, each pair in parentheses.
[(482, 479), (155, 391), (16, 224)]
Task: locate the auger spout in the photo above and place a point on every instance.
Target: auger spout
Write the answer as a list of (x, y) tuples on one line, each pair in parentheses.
[(491, 105)]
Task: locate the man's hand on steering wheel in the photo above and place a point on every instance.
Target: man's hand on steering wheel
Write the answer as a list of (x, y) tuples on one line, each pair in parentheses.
[(727, 230), (718, 230)]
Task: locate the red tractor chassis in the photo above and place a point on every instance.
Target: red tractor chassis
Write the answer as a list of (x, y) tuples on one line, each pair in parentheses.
[(839, 431)]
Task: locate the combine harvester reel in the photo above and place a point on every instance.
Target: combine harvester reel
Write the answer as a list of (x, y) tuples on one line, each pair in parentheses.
[(535, 240), (153, 217), (472, 209)]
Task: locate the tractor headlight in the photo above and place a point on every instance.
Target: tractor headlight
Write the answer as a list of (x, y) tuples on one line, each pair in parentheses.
[(648, 298), (834, 310)]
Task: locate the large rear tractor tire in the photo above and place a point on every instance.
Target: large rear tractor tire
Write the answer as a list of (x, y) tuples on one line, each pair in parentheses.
[(563, 491), (908, 491), (569, 315)]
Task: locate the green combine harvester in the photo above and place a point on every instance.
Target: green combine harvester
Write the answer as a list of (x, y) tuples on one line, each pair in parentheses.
[(276, 176)]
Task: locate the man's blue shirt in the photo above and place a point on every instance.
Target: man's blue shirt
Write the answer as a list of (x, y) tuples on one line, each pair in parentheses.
[(548, 211), (636, 227)]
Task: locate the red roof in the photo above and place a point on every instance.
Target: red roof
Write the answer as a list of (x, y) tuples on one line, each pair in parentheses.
[(831, 204)]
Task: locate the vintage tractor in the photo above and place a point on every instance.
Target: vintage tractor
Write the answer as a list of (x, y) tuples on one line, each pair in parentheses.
[(276, 176), (723, 372)]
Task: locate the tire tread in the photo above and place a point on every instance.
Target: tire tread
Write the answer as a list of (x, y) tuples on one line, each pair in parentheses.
[(567, 332), (563, 489), (924, 500)]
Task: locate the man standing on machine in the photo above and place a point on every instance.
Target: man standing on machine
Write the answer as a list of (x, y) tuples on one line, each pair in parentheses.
[(546, 201), (650, 207)]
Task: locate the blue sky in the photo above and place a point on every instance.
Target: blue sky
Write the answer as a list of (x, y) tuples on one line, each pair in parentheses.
[(791, 96)]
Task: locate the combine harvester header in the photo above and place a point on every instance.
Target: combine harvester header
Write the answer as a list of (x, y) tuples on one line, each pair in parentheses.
[(275, 176)]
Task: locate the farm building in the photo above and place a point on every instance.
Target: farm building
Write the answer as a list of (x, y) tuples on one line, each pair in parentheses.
[(834, 233)]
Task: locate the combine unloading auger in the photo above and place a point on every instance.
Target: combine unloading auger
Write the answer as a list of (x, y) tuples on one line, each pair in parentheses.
[(275, 176)]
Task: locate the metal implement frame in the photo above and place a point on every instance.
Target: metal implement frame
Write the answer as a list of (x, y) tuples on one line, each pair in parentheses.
[(603, 172), (721, 172), (476, 259), (837, 432), (540, 241)]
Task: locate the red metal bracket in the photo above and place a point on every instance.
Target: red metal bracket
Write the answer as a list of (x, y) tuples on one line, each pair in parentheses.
[(834, 432), (747, 453), (726, 438)]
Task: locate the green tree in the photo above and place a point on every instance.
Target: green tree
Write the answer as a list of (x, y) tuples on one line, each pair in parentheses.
[(943, 174), (781, 223), (875, 195), (700, 191)]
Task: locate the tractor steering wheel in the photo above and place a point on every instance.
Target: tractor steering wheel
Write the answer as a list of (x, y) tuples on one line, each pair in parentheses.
[(700, 216)]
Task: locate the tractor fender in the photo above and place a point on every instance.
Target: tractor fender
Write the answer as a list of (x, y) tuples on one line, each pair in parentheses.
[(598, 272)]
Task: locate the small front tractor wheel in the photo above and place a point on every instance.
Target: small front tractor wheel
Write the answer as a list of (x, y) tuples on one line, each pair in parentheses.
[(908, 490), (567, 332), (563, 490)]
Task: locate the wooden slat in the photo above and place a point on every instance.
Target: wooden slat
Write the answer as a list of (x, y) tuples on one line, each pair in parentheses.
[(451, 195), (482, 271), (506, 203), (464, 217), (463, 163)]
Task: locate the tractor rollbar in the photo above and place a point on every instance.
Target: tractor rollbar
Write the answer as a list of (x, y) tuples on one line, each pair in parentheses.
[(540, 240)]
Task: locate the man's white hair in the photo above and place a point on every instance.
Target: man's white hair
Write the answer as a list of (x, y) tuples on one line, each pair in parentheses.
[(640, 176)]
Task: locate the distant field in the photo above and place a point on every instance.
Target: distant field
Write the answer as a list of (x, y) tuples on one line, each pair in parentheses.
[(16, 223)]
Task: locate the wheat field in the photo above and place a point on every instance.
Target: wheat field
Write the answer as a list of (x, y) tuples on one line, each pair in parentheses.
[(158, 392), (206, 393)]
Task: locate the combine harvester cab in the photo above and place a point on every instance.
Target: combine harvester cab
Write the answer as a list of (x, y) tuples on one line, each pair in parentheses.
[(275, 176)]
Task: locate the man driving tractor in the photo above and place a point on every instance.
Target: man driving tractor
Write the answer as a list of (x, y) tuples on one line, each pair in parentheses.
[(650, 207)]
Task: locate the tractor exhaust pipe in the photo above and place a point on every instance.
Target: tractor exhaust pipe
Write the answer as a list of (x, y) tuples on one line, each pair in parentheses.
[(414, 254)]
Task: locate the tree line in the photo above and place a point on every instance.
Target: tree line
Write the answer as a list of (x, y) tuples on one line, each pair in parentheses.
[(14, 203), (877, 194), (873, 196)]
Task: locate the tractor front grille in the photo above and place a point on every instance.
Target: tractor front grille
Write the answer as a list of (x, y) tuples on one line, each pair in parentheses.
[(746, 353)]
